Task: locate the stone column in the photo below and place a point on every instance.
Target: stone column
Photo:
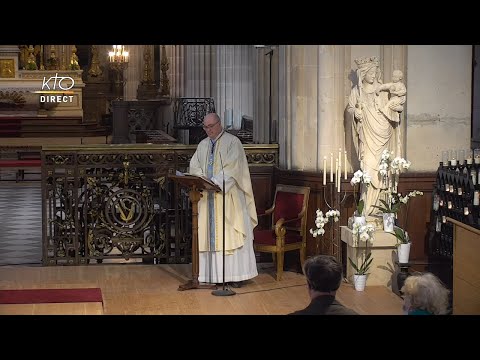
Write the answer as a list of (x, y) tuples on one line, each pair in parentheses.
[(132, 74), (312, 92), (234, 83), (176, 74), (199, 80)]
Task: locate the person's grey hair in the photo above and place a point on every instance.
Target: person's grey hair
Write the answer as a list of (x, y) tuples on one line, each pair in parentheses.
[(426, 291), (323, 273)]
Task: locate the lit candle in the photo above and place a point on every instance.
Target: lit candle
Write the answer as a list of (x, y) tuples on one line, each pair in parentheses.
[(331, 167), (444, 219), (454, 162), (449, 205), (476, 198), (465, 211), (324, 170), (345, 161)]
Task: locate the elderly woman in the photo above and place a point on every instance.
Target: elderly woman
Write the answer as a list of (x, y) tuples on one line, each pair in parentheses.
[(372, 131), (425, 294)]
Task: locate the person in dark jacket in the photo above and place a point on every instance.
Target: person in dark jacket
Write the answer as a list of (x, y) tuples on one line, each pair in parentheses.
[(324, 276)]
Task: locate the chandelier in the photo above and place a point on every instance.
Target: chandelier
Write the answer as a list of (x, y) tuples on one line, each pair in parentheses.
[(118, 55), (118, 59)]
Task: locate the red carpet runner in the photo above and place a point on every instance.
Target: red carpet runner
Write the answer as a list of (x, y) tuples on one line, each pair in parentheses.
[(38, 296)]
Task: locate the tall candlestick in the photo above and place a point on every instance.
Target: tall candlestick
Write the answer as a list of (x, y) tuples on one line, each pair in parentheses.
[(324, 170), (345, 161), (331, 167)]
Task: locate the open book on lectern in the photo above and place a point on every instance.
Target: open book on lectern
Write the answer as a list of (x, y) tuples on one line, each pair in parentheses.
[(207, 180)]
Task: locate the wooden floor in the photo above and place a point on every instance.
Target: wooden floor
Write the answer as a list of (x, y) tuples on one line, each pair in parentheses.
[(152, 289)]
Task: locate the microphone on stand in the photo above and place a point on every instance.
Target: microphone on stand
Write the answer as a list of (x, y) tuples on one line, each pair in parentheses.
[(224, 291)]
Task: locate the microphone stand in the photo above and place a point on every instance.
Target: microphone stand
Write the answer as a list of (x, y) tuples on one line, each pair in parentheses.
[(224, 291)]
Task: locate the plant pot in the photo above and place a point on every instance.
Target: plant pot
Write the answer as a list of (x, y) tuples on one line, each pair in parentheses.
[(388, 221), (359, 282), (403, 253), (359, 220)]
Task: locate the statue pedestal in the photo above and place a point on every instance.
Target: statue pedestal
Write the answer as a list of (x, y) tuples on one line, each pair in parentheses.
[(383, 251)]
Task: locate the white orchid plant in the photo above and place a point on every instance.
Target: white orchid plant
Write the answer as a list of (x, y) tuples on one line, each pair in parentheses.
[(359, 177), (320, 222), (390, 169), (362, 233)]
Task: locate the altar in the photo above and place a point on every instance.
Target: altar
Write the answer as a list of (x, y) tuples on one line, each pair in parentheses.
[(383, 249)]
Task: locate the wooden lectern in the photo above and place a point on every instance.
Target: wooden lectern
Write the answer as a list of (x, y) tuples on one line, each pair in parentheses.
[(195, 185)]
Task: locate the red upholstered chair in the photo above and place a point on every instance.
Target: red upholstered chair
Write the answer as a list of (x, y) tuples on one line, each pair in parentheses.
[(288, 227)]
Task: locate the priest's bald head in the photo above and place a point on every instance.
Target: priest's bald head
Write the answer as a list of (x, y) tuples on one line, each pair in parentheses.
[(212, 125)]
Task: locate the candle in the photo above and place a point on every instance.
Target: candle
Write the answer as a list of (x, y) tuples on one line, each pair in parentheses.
[(331, 167), (444, 219), (336, 171), (476, 198), (324, 170), (449, 205), (453, 162), (345, 161), (477, 159), (339, 174), (340, 160), (465, 211)]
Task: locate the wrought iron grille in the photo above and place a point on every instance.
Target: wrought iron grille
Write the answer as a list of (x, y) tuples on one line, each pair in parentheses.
[(111, 203), (189, 114)]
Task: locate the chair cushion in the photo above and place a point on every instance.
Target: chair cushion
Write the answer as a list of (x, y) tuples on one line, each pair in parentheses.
[(288, 205), (268, 237)]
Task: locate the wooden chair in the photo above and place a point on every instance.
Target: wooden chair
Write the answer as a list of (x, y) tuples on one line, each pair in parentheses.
[(288, 226)]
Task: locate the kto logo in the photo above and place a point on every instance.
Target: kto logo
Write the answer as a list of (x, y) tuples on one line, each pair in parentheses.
[(57, 89)]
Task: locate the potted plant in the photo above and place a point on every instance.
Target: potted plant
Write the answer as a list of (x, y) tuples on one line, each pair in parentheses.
[(359, 177), (392, 206), (362, 233), (361, 272), (403, 245), (321, 221)]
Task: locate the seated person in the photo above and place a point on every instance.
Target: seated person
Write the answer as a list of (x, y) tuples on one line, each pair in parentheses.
[(424, 294), (324, 276)]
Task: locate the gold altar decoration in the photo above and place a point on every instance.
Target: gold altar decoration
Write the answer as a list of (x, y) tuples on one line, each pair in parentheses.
[(95, 69), (74, 59), (31, 63), (164, 68), (52, 61), (147, 65), (7, 68)]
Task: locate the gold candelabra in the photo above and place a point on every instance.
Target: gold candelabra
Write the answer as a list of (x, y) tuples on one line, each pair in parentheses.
[(118, 59)]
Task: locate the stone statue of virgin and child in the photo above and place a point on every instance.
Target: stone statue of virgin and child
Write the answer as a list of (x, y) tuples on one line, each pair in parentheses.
[(373, 111)]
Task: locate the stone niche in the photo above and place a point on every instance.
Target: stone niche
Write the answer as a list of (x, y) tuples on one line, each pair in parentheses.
[(383, 249)]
